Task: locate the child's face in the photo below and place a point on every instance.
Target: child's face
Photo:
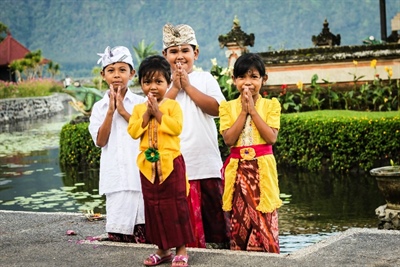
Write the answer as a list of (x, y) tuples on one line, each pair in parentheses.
[(118, 74), (155, 84), (251, 79), (183, 54)]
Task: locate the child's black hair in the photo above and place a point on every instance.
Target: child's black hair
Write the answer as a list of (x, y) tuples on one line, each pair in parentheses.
[(247, 62), (153, 64)]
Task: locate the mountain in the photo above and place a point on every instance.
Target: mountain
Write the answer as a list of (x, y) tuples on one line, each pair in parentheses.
[(72, 32)]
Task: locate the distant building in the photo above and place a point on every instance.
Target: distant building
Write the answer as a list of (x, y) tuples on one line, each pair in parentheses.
[(10, 50)]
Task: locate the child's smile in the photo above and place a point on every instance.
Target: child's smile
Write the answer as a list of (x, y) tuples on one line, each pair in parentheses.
[(156, 85)]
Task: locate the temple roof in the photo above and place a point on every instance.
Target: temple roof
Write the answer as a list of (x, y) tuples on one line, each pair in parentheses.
[(11, 49)]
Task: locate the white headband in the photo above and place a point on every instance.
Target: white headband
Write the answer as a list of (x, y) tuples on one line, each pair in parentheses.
[(115, 54)]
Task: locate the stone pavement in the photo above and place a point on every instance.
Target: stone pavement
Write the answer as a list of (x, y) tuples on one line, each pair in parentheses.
[(40, 239)]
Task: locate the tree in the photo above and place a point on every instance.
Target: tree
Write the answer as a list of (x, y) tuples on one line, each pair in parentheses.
[(142, 51), (98, 81), (53, 68), (35, 64), (17, 68), (3, 31), (32, 66)]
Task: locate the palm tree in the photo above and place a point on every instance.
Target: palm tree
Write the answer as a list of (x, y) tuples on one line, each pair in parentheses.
[(53, 68), (142, 51)]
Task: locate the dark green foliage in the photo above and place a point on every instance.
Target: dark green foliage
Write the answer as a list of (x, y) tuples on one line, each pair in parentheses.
[(340, 141), (77, 147), (374, 95), (224, 149)]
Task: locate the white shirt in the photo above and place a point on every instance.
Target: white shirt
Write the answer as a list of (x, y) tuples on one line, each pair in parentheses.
[(199, 137), (67, 82), (118, 169)]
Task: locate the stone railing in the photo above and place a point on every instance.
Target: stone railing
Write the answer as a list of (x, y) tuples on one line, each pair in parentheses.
[(20, 109), (334, 64), (331, 54)]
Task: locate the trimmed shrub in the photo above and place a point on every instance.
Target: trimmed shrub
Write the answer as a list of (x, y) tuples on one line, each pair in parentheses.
[(338, 140), (76, 146), (335, 140)]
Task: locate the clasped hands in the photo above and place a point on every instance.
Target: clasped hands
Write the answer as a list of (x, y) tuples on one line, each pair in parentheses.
[(247, 101), (180, 78), (152, 105), (116, 99)]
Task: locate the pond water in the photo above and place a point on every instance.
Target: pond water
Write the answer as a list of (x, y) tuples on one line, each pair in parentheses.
[(316, 205)]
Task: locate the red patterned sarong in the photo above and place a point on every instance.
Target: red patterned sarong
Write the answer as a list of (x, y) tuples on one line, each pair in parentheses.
[(206, 215), (251, 229)]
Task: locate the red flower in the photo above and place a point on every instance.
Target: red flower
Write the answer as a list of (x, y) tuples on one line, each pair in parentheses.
[(283, 88), (265, 93)]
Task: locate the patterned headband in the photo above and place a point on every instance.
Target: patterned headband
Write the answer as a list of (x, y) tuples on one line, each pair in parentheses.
[(115, 54), (178, 35)]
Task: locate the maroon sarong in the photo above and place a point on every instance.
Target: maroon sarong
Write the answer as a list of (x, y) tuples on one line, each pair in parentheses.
[(166, 209)]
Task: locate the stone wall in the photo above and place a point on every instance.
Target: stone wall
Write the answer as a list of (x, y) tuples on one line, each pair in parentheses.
[(20, 109)]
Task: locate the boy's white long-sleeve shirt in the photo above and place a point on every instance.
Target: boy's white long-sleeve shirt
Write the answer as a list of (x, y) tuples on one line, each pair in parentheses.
[(118, 169)]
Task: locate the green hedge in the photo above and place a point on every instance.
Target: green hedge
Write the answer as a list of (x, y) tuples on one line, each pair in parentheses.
[(337, 140), (76, 146)]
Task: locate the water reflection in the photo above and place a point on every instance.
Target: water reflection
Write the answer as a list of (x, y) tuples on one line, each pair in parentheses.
[(314, 203), (89, 181), (35, 182), (327, 202), (31, 178)]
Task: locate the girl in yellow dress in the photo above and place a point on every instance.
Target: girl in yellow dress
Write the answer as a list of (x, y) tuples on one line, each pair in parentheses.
[(158, 124), (249, 126)]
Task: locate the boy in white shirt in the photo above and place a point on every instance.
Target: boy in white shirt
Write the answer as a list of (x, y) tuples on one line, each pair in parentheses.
[(119, 174), (199, 95)]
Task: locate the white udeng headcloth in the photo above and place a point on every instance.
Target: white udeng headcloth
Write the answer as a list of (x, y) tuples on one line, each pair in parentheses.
[(115, 54), (178, 35)]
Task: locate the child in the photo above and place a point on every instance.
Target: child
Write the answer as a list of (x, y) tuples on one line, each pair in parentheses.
[(158, 124), (119, 175), (250, 125), (199, 95)]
